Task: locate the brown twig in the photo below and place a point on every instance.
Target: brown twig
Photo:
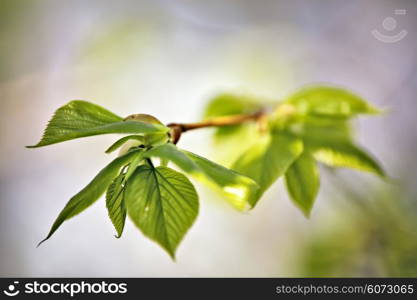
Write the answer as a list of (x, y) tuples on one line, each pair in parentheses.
[(178, 128)]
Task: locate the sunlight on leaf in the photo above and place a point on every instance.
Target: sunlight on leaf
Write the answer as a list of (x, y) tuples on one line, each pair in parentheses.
[(268, 160), (81, 119), (346, 155), (329, 101), (238, 189)]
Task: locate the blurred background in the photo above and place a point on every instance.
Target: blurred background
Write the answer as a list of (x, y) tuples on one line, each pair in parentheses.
[(168, 58)]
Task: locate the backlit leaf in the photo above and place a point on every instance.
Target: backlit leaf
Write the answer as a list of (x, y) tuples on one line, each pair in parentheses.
[(329, 101), (269, 159), (345, 155), (239, 190), (303, 181), (81, 119), (92, 192), (227, 105), (163, 204)]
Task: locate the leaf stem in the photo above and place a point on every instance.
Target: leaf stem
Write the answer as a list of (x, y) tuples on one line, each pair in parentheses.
[(178, 128)]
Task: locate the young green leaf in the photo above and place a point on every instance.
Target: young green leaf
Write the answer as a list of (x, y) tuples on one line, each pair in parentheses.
[(163, 204), (91, 192), (240, 190), (303, 182), (172, 153), (329, 101), (123, 140), (139, 157), (227, 105), (115, 204), (345, 155), (81, 119), (266, 161), (322, 129)]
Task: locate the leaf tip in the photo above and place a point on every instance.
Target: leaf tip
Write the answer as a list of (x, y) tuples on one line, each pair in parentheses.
[(41, 242), (173, 257), (306, 213)]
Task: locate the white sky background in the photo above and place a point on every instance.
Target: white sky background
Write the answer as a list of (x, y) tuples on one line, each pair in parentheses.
[(167, 58)]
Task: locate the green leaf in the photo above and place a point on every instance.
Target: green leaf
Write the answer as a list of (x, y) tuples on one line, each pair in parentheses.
[(329, 101), (91, 193), (228, 104), (345, 154), (266, 161), (172, 153), (321, 129), (122, 141), (303, 182), (81, 119), (115, 204), (139, 157), (240, 190), (163, 204)]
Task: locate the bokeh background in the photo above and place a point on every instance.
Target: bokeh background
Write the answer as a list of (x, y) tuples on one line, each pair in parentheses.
[(168, 58)]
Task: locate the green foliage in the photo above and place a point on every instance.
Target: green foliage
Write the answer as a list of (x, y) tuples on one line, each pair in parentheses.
[(269, 159), (239, 190), (228, 105), (303, 181), (81, 119), (310, 126), (115, 203), (120, 142), (162, 203), (329, 101), (91, 193)]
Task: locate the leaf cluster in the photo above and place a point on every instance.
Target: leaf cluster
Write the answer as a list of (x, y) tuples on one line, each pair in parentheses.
[(309, 127)]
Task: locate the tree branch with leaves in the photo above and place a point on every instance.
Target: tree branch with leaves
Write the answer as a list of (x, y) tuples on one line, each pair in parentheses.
[(310, 126)]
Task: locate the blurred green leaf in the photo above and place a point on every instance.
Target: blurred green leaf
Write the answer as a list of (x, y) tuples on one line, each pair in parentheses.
[(115, 204), (81, 118), (92, 192), (329, 101), (303, 182), (163, 204), (122, 141), (345, 154), (239, 190), (322, 129), (227, 105), (269, 159)]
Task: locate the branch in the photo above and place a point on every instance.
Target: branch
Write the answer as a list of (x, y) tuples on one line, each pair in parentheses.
[(178, 128)]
